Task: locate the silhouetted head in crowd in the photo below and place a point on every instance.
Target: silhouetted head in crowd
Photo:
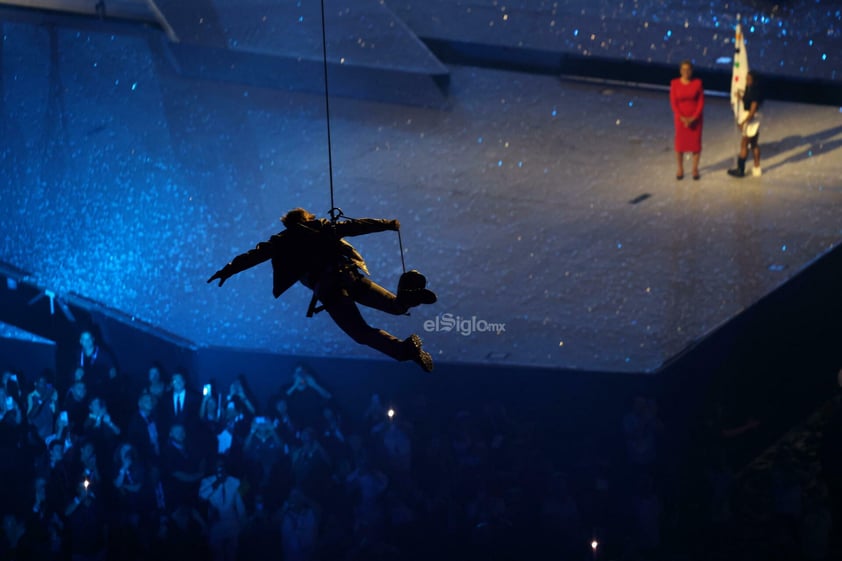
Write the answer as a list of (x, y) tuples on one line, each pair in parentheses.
[(87, 451), (87, 342), (11, 380), (146, 403), (97, 407), (78, 391), (178, 382), (232, 410), (281, 407), (43, 386), (155, 378), (308, 437), (126, 455), (55, 451), (178, 434), (301, 377), (263, 429)]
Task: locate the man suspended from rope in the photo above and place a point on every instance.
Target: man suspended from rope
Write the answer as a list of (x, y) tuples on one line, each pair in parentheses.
[(312, 251)]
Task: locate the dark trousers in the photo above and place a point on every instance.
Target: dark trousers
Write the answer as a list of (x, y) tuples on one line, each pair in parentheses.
[(340, 293)]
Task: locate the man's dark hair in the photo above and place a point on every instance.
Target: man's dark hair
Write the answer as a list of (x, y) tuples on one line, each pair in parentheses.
[(297, 216)]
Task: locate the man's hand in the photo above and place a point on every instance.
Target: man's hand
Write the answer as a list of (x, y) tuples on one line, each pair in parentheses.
[(220, 275), (396, 225)]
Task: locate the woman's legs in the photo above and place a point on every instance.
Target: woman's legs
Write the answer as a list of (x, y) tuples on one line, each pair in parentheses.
[(679, 159)]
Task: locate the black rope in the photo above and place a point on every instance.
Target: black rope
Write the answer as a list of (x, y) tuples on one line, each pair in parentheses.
[(400, 243), (336, 212), (334, 217)]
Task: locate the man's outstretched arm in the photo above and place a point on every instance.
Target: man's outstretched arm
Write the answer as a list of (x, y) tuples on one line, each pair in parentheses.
[(247, 260), (362, 226)]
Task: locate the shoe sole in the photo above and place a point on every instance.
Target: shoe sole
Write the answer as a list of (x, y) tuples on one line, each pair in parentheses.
[(424, 359)]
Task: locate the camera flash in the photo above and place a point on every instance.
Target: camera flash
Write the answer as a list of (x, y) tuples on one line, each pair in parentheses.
[(391, 413)]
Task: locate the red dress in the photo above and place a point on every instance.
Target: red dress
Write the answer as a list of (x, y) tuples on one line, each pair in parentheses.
[(687, 100)]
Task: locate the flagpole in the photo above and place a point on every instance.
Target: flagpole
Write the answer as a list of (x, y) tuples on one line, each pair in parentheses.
[(739, 36), (740, 69)]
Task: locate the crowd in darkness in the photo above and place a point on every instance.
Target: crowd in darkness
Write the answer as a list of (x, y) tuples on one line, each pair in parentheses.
[(95, 467)]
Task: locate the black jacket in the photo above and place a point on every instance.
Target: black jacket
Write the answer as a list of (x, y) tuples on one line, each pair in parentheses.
[(306, 251)]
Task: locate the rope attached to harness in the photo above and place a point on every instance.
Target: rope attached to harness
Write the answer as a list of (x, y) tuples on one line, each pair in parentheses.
[(327, 115)]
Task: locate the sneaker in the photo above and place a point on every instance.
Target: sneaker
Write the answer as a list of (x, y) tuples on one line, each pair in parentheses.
[(756, 172), (418, 355), (736, 172)]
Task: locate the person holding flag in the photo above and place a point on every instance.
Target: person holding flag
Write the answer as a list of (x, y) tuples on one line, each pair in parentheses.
[(745, 101)]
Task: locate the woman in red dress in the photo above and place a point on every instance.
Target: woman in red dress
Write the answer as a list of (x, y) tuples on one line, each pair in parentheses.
[(688, 100)]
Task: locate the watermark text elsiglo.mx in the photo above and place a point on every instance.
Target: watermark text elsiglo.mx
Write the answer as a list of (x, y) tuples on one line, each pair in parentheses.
[(463, 325)]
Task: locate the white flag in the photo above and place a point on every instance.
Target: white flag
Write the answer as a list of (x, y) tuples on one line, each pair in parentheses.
[(738, 76)]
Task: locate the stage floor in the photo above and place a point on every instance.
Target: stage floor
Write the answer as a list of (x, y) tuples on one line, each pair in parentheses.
[(545, 205)]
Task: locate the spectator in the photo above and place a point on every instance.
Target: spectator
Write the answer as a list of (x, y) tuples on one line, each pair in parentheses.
[(41, 406), (10, 414), (260, 537), (99, 428), (263, 451), (39, 506), (311, 466), (283, 422), (368, 485), (238, 390), (96, 362), (396, 448), (375, 413), (41, 534), (300, 527), (90, 466), (143, 432), (335, 441), (61, 483), (12, 384), (86, 525), (11, 538), (210, 410), (76, 404), (78, 375), (182, 468), (183, 535), (155, 382), (306, 398), (226, 512), (61, 431), (180, 405), (231, 436), (128, 484)]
